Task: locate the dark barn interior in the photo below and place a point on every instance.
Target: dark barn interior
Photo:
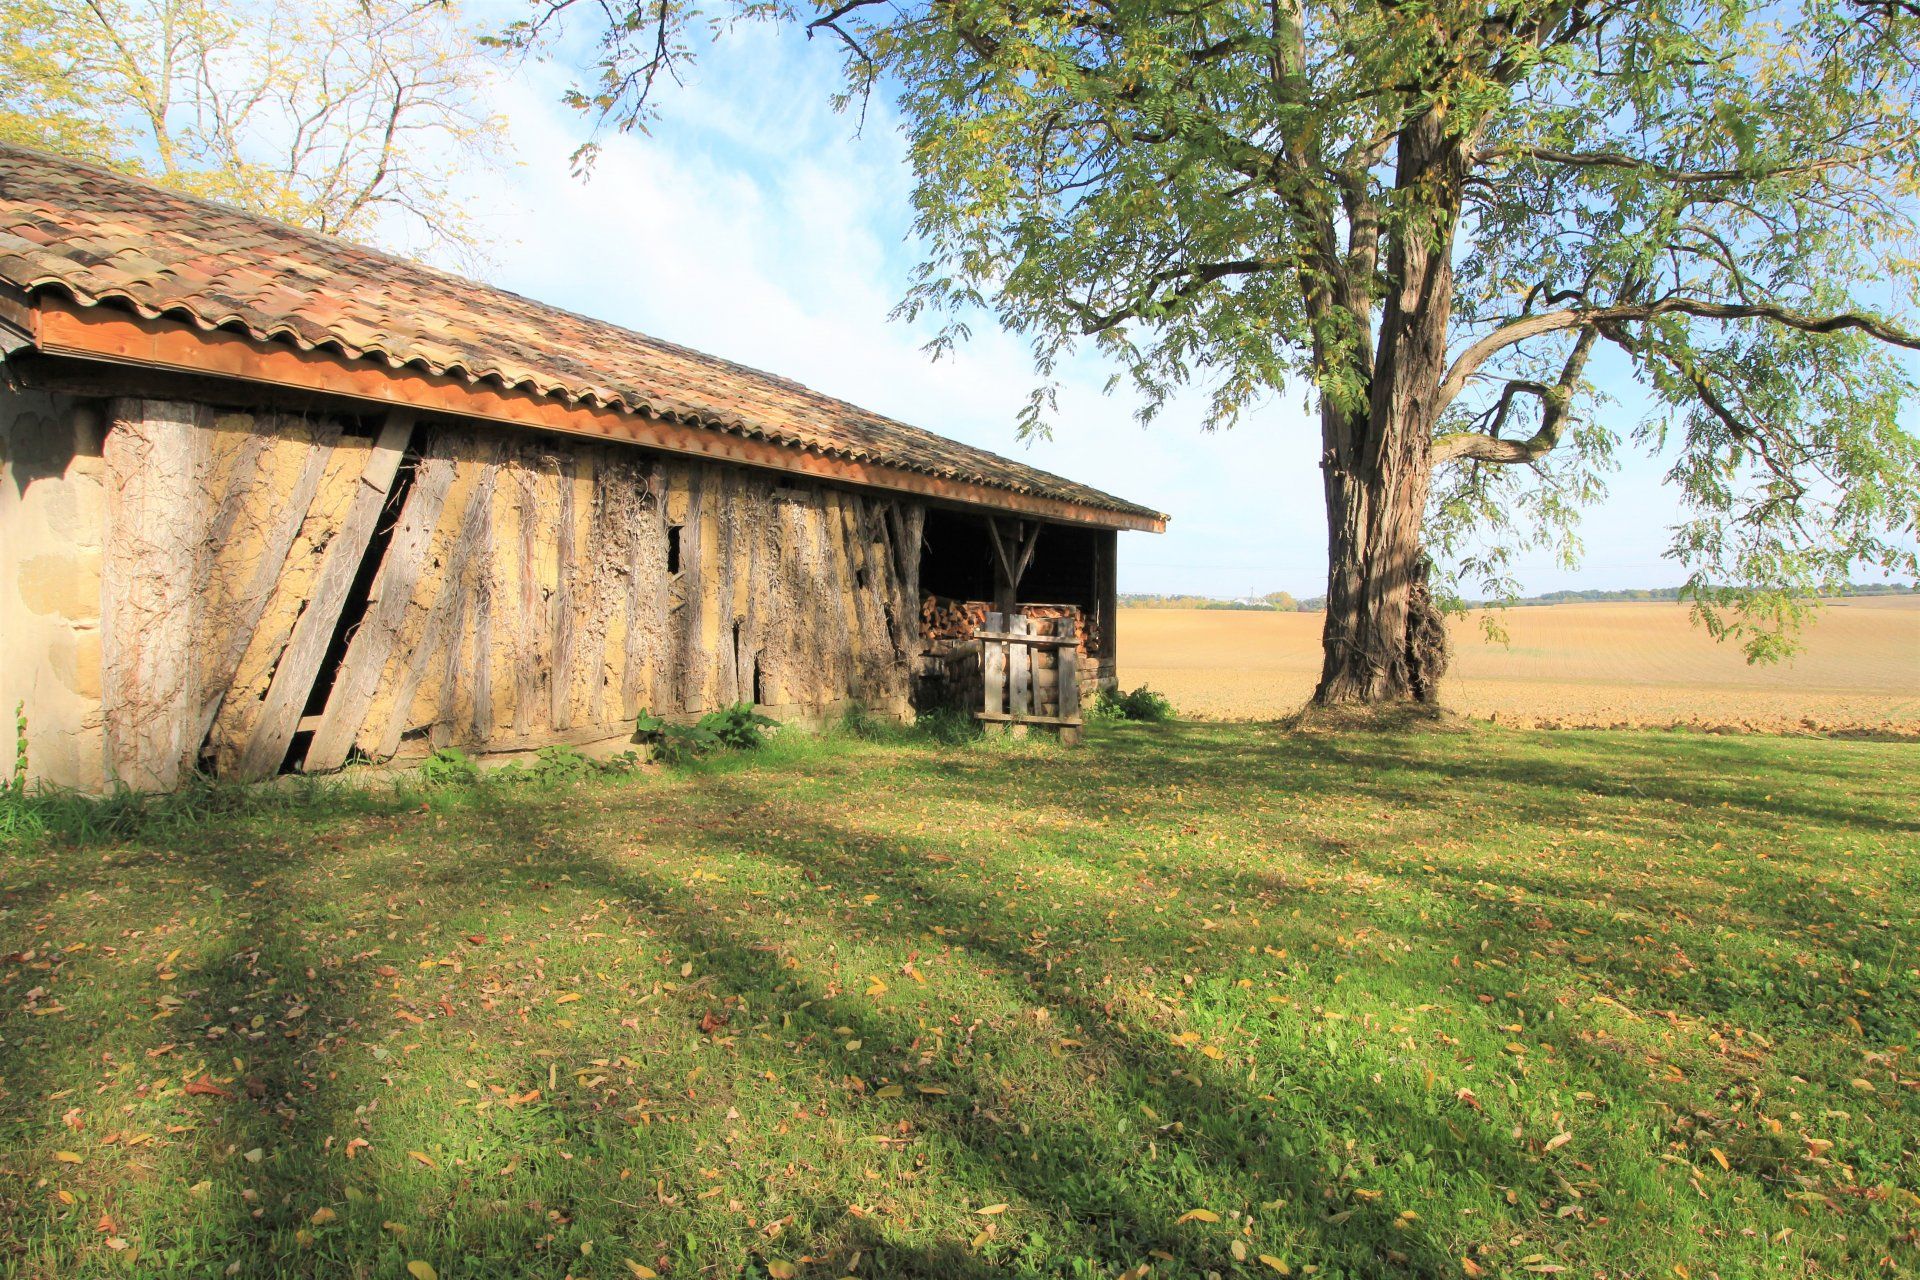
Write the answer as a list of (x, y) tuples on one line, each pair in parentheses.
[(974, 559)]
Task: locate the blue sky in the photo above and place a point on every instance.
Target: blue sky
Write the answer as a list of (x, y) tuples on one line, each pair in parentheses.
[(753, 224)]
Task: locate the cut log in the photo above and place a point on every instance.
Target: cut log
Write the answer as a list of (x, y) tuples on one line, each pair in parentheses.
[(300, 661)]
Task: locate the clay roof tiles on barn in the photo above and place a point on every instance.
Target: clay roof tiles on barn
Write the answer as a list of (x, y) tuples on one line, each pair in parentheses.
[(109, 240)]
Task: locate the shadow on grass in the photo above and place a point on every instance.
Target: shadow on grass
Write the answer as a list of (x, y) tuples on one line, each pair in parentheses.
[(1089, 1193)]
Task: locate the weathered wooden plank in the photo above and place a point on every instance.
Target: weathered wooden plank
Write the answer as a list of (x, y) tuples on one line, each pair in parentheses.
[(155, 457), (1069, 685), (723, 535), (472, 706), (610, 527), (829, 586), (1030, 639), (561, 604), (845, 590), (373, 640), (994, 672), (432, 635), (783, 664), (1003, 718), (909, 534), (288, 470), (285, 599), (752, 584), (1019, 674), (690, 655), (532, 626), (645, 681), (300, 661)]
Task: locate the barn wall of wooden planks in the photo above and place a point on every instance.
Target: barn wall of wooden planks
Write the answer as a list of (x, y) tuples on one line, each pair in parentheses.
[(305, 589)]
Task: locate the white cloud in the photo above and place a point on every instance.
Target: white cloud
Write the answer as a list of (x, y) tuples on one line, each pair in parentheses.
[(752, 224)]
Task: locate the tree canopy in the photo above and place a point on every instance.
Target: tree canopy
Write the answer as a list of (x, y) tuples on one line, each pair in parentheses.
[(1446, 219), (351, 119)]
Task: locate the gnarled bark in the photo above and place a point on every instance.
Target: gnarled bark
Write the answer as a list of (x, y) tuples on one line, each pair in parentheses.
[(1383, 639)]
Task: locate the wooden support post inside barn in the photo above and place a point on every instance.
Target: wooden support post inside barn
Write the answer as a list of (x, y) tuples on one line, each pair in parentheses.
[(1013, 548)]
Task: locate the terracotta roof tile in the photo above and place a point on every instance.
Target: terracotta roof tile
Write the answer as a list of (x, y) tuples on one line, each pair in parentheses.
[(107, 239)]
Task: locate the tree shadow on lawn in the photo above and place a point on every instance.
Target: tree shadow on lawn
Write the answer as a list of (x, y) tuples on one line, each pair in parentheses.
[(1095, 1192), (1697, 771), (222, 1077), (1632, 789), (1092, 1189), (855, 860), (1625, 1067)]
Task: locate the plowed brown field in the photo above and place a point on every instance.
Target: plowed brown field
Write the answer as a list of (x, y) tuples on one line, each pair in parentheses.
[(1628, 664)]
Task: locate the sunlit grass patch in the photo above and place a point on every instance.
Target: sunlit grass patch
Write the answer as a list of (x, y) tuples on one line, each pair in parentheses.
[(1483, 1003)]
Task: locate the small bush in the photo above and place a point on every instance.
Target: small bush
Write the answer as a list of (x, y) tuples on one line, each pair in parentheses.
[(738, 727), (1142, 704), (562, 764), (449, 766), (735, 728)]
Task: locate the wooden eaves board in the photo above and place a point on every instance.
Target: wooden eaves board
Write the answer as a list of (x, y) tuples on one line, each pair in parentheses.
[(61, 327)]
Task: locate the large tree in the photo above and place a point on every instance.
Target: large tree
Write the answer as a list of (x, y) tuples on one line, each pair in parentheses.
[(1445, 218), (351, 118)]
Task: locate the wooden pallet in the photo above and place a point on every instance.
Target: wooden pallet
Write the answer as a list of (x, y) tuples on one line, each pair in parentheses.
[(1030, 671)]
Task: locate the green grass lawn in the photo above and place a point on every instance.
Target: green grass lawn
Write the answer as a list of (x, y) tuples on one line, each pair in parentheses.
[(1191, 1000)]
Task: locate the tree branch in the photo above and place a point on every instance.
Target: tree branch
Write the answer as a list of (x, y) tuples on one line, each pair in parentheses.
[(1518, 331), (1555, 400), (1673, 174)]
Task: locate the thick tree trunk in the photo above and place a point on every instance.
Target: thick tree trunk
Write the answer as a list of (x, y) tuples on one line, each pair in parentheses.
[(1384, 641)]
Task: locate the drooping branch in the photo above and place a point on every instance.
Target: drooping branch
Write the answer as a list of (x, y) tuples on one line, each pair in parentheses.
[(1679, 175), (1194, 278), (1517, 331)]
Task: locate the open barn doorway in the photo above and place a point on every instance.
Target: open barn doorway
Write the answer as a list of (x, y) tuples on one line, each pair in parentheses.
[(973, 563)]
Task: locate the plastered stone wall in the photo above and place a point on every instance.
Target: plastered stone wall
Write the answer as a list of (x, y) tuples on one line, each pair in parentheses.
[(52, 523)]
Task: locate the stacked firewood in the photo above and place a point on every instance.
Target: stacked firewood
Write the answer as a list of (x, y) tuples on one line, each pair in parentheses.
[(1036, 612), (945, 621)]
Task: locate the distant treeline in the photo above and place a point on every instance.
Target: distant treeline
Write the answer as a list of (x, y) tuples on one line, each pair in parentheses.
[(1283, 602), (1277, 600)]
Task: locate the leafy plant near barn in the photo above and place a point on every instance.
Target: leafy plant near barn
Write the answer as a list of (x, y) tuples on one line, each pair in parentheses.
[(1141, 704), (1448, 220), (735, 728)]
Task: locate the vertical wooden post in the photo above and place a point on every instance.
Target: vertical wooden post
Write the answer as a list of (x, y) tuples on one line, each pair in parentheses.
[(1019, 674), (1105, 650), (1069, 682), (156, 458), (993, 665), (1012, 552)]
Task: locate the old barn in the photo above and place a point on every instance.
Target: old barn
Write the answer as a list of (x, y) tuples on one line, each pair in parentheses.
[(274, 501)]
